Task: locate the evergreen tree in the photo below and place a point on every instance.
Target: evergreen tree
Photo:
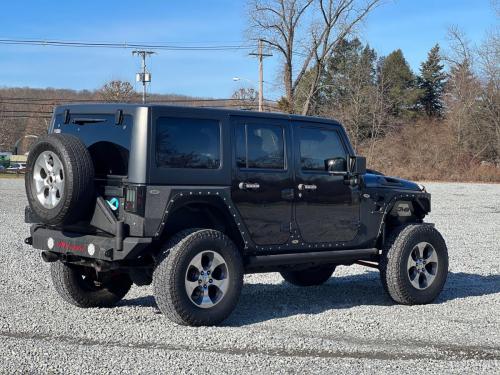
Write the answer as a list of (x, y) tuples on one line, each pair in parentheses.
[(431, 83), (400, 82)]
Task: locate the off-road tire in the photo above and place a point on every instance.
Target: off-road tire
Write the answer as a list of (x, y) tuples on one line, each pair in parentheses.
[(70, 285), (170, 273), (309, 277), (394, 258), (78, 181)]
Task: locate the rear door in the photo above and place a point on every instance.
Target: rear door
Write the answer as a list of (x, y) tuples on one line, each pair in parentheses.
[(262, 180), (326, 209)]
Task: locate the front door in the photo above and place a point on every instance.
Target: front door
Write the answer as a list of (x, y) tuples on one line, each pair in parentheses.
[(326, 209), (262, 184)]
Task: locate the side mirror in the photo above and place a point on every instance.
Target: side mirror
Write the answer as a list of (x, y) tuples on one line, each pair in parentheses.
[(358, 165), (336, 166)]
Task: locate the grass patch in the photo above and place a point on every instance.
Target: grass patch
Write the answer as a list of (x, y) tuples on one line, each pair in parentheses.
[(11, 175)]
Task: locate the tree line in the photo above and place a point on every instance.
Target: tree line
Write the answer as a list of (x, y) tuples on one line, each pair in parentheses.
[(441, 122)]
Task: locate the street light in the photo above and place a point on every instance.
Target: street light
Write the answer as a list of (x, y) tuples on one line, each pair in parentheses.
[(236, 79)]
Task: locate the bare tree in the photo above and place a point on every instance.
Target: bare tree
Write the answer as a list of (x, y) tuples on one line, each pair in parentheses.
[(463, 87), (245, 97), (117, 91), (489, 64), (306, 31), (379, 113)]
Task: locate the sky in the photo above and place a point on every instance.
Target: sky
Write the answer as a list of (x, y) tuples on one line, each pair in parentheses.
[(411, 25)]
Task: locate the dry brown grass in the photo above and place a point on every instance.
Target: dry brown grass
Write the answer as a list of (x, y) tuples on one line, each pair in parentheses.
[(427, 151)]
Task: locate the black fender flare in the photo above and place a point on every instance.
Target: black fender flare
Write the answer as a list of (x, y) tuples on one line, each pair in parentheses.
[(217, 197)]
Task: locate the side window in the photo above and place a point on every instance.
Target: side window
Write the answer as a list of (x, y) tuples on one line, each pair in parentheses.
[(318, 146), (260, 146), (241, 146), (187, 143)]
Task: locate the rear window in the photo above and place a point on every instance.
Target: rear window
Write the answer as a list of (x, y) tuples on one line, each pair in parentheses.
[(187, 143)]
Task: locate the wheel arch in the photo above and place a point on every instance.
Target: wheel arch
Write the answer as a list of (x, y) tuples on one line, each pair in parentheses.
[(205, 212), (402, 210)]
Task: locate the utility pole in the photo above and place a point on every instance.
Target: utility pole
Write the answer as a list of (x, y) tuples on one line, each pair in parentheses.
[(144, 76), (260, 54)]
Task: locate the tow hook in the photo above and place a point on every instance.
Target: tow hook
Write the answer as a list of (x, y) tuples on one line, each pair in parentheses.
[(28, 240)]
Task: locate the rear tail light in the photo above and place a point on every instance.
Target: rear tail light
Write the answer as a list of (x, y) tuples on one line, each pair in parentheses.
[(135, 199)]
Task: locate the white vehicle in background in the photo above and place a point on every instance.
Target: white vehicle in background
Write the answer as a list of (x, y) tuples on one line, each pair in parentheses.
[(16, 168)]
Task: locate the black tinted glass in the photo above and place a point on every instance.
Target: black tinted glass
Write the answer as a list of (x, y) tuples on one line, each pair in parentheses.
[(317, 146), (107, 142), (187, 143), (265, 147), (241, 148)]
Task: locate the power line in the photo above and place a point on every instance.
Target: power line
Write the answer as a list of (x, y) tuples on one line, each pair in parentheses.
[(27, 111), (50, 101), (125, 45), (241, 103)]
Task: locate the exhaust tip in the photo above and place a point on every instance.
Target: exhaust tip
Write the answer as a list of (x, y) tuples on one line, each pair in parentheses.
[(49, 257)]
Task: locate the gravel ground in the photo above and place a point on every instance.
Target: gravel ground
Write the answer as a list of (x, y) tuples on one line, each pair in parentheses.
[(348, 325)]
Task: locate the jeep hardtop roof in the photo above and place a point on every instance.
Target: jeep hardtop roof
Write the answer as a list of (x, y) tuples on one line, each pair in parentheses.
[(102, 108)]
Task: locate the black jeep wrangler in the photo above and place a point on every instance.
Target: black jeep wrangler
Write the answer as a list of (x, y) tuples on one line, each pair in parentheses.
[(191, 199)]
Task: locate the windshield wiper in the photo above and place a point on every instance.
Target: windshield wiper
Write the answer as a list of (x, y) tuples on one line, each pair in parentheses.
[(83, 121)]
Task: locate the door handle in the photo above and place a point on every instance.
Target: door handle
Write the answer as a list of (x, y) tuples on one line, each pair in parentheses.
[(248, 185), (303, 187)]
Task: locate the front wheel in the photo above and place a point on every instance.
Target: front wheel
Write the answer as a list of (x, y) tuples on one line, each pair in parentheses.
[(83, 287), (199, 278), (414, 264)]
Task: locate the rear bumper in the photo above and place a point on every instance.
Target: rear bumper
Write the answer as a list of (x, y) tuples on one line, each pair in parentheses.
[(87, 246)]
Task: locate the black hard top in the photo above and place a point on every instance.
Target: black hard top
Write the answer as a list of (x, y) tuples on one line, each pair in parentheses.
[(89, 108)]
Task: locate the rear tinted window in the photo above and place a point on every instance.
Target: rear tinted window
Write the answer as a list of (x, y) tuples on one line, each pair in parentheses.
[(107, 142), (187, 143)]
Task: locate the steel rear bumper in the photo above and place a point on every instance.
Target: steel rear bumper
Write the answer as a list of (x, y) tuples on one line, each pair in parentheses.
[(85, 245)]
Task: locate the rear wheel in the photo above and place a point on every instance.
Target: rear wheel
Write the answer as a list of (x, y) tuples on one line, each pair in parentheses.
[(414, 264), (309, 276), (198, 281), (81, 287)]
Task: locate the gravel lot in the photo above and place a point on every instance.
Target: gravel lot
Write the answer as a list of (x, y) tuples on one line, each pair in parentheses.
[(348, 325)]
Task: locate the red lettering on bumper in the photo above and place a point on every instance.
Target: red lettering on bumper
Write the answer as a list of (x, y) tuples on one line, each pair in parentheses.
[(68, 246)]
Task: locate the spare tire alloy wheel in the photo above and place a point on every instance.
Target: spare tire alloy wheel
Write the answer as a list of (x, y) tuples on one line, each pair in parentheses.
[(60, 180), (422, 265), (48, 176), (207, 278)]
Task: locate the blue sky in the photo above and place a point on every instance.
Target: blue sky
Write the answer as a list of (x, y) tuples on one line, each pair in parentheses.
[(414, 26)]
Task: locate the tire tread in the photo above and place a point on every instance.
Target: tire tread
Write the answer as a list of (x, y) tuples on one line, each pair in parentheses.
[(167, 294)]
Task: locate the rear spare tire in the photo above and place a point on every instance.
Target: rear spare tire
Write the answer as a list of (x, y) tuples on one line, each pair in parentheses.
[(59, 179)]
